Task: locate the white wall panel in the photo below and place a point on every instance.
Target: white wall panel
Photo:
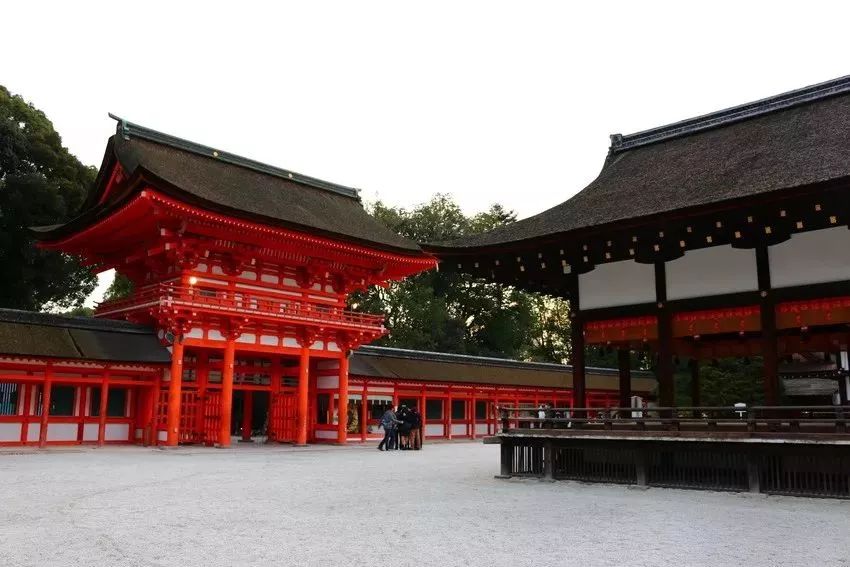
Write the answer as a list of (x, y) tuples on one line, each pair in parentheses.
[(33, 431), (617, 283), (324, 434), (435, 429), (819, 256), (712, 271), (458, 429), (10, 432), (61, 431), (89, 431), (117, 432), (481, 429)]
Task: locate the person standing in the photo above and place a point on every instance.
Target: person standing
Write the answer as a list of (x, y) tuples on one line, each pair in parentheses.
[(389, 422), (416, 429)]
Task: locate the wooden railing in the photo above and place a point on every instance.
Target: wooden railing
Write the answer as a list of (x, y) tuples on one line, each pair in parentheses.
[(240, 302), (795, 419)]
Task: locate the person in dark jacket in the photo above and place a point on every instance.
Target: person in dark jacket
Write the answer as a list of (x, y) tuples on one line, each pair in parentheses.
[(404, 428), (416, 429), (389, 422)]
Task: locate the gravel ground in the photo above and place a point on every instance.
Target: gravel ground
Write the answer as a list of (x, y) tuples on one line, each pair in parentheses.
[(357, 506)]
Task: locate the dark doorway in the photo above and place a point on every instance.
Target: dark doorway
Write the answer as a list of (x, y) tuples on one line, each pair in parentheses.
[(259, 412)]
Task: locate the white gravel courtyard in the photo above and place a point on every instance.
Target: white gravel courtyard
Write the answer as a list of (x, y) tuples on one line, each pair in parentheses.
[(357, 506)]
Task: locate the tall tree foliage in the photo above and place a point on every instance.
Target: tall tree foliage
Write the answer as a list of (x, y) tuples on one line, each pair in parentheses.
[(450, 312), (41, 183)]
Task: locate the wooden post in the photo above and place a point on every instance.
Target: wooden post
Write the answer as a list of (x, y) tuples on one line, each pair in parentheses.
[(303, 386), (448, 417), (577, 347), (104, 400), (422, 413), (624, 362), (227, 391), (507, 453), (472, 415), (247, 414), (548, 460), (666, 384), (769, 347), (174, 393), (342, 425), (364, 415), (27, 411), (45, 405)]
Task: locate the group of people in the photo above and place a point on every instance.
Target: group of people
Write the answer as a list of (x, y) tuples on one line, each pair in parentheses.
[(402, 429)]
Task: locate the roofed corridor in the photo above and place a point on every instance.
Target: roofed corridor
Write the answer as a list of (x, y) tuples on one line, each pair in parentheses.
[(355, 506)]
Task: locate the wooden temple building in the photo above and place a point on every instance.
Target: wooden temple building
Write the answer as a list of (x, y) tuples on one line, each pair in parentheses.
[(725, 235), (237, 323)]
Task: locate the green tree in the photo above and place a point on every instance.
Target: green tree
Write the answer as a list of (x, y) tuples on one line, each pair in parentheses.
[(120, 288), (451, 312), (41, 183)]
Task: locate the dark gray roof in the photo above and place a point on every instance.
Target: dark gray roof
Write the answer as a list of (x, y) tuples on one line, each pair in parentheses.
[(230, 184), (25, 333), (785, 142), (397, 363)]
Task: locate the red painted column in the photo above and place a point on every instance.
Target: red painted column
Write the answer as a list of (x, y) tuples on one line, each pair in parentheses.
[(28, 388), (247, 414), (174, 391), (301, 394), (364, 416), (342, 424), (101, 422), (45, 406), (448, 416), (227, 391), (472, 415)]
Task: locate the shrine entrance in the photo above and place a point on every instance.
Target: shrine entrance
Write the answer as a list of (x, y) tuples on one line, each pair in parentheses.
[(250, 417)]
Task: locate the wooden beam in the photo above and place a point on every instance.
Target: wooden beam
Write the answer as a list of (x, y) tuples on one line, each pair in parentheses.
[(104, 400), (45, 405)]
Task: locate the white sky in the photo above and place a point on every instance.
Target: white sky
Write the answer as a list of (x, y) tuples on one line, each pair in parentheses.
[(508, 102)]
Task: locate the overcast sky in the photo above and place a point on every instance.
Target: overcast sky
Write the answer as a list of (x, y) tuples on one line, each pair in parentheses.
[(489, 101)]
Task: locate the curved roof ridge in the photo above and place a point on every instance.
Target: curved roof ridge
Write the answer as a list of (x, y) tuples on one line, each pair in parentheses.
[(127, 130), (811, 93)]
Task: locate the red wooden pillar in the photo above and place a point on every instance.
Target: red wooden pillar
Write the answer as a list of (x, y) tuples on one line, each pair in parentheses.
[(364, 415), (342, 424), (247, 414), (423, 401), (174, 391), (472, 415), (104, 399), (448, 416), (27, 411), (227, 391), (45, 405), (303, 385)]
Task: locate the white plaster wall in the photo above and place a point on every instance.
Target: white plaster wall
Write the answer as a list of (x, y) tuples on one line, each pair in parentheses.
[(458, 429), (162, 435), (324, 434), (10, 431), (617, 283), (33, 431), (711, 271), (435, 429), (61, 431), (117, 432), (270, 340), (89, 432), (819, 256), (481, 429)]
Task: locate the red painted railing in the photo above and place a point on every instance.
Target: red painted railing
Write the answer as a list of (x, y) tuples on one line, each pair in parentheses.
[(234, 301)]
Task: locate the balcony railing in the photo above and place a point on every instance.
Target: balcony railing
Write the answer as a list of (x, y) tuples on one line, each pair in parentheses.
[(720, 419), (237, 302)]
